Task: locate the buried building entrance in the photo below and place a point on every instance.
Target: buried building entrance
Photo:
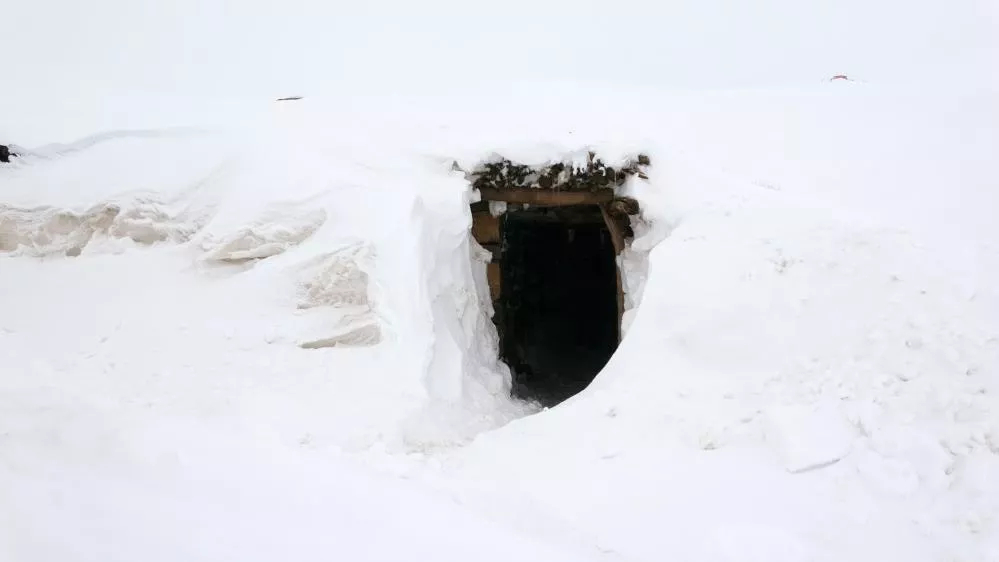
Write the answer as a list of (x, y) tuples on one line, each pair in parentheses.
[(554, 279), (559, 300)]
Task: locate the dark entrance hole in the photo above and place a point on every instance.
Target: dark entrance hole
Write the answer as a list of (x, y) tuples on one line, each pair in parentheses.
[(554, 232), (559, 304)]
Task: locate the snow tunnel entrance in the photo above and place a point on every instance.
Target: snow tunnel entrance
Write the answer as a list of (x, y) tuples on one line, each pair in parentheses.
[(559, 305), (554, 280)]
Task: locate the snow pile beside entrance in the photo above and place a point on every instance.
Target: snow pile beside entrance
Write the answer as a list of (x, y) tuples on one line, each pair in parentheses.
[(341, 256), (46, 230), (339, 282), (811, 354), (107, 191), (800, 386), (268, 235)]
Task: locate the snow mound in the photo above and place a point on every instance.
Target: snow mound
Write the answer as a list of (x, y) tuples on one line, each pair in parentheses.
[(45, 231), (338, 283), (338, 279), (271, 234), (112, 189), (811, 340), (53, 151)]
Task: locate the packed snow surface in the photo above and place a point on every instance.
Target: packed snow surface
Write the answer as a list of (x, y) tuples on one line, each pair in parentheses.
[(265, 335)]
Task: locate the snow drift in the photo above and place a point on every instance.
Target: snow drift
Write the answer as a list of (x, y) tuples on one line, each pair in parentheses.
[(812, 342)]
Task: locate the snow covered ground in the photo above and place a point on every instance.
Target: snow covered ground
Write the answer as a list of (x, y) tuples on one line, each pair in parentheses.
[(235, 329), (267, 339)]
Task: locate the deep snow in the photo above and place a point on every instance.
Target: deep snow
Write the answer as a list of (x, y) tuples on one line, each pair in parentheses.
[(809, 372)]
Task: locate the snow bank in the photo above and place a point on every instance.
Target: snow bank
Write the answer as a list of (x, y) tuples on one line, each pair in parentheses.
[(812, 346), (364, 260), (219, 497)]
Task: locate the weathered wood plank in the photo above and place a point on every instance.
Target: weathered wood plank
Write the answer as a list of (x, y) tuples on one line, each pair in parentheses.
[(545, 198), (485, 228), (617, 238), (617, 235), (493, 274)]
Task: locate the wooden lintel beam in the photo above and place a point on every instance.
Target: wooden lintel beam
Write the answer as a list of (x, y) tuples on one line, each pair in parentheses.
[(545, 198)]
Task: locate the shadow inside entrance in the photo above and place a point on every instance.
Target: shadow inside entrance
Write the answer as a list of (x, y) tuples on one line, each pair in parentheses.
[(559, 300)]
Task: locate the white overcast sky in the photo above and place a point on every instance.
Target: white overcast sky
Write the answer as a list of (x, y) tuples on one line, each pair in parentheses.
[(306, 46)]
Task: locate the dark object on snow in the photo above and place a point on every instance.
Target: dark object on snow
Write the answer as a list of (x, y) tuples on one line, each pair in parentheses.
[(6, 154), (291, 98), (839, 77)]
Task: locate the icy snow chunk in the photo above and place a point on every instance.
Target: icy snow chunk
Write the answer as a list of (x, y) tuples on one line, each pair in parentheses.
[(339, 283), (271, 234), (45, 231), (148, 222), (338, 280), (497, 208), (808, 436), (362, 336)]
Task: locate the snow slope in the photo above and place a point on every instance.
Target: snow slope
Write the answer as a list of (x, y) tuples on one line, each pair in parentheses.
[(205, 330)]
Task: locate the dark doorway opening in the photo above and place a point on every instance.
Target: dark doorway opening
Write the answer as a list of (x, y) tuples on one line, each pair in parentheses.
[(559, 304), (553, 233)]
